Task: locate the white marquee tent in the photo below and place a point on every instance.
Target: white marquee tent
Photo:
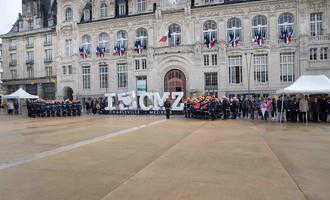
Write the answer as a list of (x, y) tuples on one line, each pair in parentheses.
[(308, 84), (21, 94)]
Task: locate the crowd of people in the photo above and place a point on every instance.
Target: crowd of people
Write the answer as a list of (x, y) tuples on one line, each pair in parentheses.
[(290, 109), (41, 108)]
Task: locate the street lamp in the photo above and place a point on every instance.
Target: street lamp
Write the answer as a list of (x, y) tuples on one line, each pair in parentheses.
[(248, 71)]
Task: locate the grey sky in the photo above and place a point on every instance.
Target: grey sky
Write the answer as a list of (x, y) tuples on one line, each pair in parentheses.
[(9, 10)]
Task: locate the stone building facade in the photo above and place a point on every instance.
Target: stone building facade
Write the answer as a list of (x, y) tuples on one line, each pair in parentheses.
[(28, 50), (229, 65)]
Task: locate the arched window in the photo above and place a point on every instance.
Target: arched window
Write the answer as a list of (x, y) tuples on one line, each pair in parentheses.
[(210, 30), (122, 39), (103, 10), (286, 23), (175, 35), (142, 36), (86, 43), (259, 26), (234, 29), (68, 14), (104, 41)]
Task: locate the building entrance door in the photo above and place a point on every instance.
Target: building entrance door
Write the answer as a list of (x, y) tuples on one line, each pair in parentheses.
[(175, 81)]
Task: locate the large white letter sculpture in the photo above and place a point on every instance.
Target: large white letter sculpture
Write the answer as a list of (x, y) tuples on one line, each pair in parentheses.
[(127, 101)]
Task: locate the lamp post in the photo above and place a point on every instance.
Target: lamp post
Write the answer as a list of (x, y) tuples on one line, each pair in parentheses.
[(248, 71)]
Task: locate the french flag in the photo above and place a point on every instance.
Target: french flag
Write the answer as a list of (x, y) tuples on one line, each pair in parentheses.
[(138, 46), (166, 36)]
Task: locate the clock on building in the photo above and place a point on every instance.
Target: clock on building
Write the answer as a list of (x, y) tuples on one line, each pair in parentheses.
[(173, 2)]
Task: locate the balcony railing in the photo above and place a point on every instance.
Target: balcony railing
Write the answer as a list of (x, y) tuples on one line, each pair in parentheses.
[(282, 42), (29, 45), (11, 48), (13, 63), (29, 62), (48, 60), (48, 43), (320, 37)]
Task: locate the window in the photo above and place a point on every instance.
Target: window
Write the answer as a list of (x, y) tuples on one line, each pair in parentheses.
[(122, 75), (211, 83), (313, 54), (104, 41), (214, 59), (287, 67), (13, 74), (142, 36), (175, 33), (260, 68), (141, 64), (137, 64), (103, 76), (286, 23), (50, 22), (68, 48), (121, 8), (68, 15), (259, 26), (12, 45), (235, 70), (210, 30), (324, 53), (86, 44), (49, 71), (48, 39), (64, 70), (30, 42), (87, 15), (234, 30), (316, 24), (141, 5), (86, 75), (144, 63), (48, 55), (209, 1), (206, 60), (29, 56), (103, 10), (69, 69), (122, 39), (13, 59), (30, 72)]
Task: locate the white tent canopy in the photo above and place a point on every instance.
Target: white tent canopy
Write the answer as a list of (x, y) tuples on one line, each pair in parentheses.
[(21, 94), (308, 84)]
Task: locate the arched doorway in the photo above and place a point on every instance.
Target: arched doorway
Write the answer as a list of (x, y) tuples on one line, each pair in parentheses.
[(68, 93), (175, 81)]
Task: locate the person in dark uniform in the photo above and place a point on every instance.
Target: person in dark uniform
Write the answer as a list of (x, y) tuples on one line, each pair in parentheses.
[(167, 106), (225, 106)]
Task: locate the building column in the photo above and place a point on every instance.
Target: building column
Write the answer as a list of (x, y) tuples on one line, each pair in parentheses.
[(40, 90)]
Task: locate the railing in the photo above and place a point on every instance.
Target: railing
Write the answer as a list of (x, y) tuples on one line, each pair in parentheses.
[(174, 50), (48, 60), (29, 46), (29, 61), (48, 43), (282, 42), (320, 37), (13, 63), (11, 48)]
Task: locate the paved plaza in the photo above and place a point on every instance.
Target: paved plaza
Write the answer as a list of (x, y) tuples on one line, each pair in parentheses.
[(150, 158)]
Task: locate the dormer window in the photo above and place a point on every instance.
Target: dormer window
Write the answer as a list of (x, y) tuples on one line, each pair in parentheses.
[(121, 7), (87, 15), (103, 10), (141, 5), (68, 15)]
